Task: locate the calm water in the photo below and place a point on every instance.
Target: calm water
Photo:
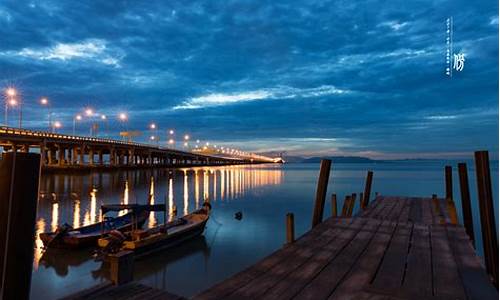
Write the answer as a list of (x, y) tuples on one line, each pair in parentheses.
[(264, 194)]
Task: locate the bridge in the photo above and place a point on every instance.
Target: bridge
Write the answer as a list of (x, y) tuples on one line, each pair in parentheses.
[(73, 152)]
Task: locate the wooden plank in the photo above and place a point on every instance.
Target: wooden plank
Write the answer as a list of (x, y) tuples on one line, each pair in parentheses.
[(475, 281), (295, 281), (447, 282), (392, 269), (418, 276), (129, 291), (397, 209), (361, 274), (260, 284), (227, 286), (405, 212), (326, 281), (427, 213), (416, 211)]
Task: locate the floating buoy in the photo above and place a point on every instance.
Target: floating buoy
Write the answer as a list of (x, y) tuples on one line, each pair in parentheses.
[(238, 216)]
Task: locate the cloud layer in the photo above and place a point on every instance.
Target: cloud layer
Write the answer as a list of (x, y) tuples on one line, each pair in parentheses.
[(312, 77)]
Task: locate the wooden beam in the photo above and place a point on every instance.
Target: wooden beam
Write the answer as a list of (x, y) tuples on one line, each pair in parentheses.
[(448, 182), (487, 213), (290, 228), (466, 205), (368, 188), (319, 204), (19, 180), (334, 205)]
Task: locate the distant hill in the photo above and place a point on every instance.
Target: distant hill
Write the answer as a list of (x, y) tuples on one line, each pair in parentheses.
[(335, 159)]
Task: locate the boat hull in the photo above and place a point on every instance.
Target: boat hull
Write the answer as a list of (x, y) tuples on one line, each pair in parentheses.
[(77, 241)]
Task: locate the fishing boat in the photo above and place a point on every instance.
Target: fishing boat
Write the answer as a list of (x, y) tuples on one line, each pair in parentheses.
[(67, 237), (158, 238)]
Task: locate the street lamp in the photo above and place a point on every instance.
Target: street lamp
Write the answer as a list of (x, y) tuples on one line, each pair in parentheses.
[(10, 93), (76, 118), (45, 102), (56, 126), (105, 121), (124, 118), (89, 112)]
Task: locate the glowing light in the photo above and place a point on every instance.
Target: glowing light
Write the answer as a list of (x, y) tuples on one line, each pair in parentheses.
[(11, 92), (171, 141), (171, 131), (103, 117), (197, 141), (186, 137), (78, 117), (152, 137), (152, 126), (185, 144), (123, 116), (57, 124), (89, 112), (44, 101), (12, 102)]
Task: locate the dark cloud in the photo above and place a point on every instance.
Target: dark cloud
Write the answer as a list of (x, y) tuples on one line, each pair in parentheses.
[(264, 74)]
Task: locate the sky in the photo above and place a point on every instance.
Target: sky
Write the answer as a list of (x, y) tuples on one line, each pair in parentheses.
[(308, 78)]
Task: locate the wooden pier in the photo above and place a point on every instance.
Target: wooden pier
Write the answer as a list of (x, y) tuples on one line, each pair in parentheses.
[(398, 248)]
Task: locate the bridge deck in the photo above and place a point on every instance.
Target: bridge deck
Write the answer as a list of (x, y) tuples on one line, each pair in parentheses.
[(398, 248)]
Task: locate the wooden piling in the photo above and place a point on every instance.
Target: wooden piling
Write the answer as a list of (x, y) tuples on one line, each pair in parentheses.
[(319, 204), (19, 181), (368, 188), (334, 205), (121, 267), (361, 201), (486, 208), (345, 206), (351, 204), (449, 182), (466, 205), (290, 228)]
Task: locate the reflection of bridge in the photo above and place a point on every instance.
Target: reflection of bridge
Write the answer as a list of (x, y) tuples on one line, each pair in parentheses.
[(60, 151)]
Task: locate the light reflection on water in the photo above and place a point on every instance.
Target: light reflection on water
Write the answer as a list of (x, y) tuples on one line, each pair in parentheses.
[(263, 193)]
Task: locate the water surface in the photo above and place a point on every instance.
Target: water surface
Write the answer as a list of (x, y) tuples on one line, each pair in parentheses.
[(263, 193)]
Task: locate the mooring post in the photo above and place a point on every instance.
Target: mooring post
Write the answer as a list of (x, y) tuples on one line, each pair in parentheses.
[(361, 200), (290, 228), (334, 205), (345, 207), (487, 213), (19, 181), (466, 206), (352, 203), (368, 188), (121, 267), (319, 204), (449, 182)]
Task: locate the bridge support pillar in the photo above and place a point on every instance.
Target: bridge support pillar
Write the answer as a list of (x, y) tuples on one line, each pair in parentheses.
[(112, 157), (101, 161), (74, 155), (49, 156), (43, 154), (91, 156), (82, 155), (60, 155)]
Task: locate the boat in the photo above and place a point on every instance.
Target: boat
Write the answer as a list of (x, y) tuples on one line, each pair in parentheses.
[(158, 238), (67, 237)]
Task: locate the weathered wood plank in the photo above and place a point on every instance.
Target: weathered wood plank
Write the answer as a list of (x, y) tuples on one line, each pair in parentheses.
[(418, 276), (296, 280), (261, 283), (361, 274), (324, 283), (447, 282), (475, 281), (392, 269)]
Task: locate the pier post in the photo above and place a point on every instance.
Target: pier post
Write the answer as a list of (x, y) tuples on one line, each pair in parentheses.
[(319, 204), (466, 205), (334, 205), (19, 180), (290, 228), (361, 200), (368, 188), (121, 267), (449, 182), (352, 202), (487, 212)]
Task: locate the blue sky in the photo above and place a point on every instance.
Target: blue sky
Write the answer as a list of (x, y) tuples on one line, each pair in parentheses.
[(306, 77)]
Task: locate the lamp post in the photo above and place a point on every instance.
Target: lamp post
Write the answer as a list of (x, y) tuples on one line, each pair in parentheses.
[(124, 118), (56, 126), (76, 118), (45, 102), (105, 121), (154, 132), (186, 140), (171, 138), (10, 94), (90, 113)]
